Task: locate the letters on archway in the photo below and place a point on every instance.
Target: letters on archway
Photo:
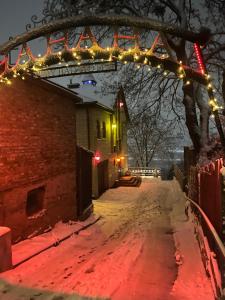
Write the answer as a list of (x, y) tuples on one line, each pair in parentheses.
[(159, 55)]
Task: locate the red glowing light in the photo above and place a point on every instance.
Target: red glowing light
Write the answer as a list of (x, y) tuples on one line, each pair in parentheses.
[(199, 58), (97, 157), (121, 104)]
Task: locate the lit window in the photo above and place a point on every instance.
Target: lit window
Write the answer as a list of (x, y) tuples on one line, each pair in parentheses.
[(98, 129), (103, 130)]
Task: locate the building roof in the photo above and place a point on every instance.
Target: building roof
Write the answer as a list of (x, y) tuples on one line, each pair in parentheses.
[(63, 89), (95, 104), (120, 97)]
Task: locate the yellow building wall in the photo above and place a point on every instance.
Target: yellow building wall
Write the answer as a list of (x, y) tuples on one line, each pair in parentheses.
[(103, 146)]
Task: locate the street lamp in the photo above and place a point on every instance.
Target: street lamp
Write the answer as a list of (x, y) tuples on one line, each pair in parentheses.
[(89, 79)]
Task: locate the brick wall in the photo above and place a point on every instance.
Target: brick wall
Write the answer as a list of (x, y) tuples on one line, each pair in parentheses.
[(37, 148)]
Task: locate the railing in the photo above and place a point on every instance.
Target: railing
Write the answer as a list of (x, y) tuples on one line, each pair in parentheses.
[(212, 249), (145, 171)]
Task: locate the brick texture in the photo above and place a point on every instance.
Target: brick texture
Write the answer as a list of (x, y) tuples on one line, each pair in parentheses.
[(37, 148)]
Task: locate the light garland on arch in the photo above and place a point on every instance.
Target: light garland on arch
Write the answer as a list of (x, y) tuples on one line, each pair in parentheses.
[(35, 64), (27, 63)]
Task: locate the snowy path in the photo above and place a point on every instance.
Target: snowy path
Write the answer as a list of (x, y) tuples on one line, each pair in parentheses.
[(129, 254)]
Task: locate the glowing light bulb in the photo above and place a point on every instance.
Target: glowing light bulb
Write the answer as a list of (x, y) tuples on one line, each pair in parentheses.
[(209, 86), (211, 102)]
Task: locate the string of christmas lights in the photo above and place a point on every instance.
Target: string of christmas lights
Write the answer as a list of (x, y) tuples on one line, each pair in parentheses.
[(28, 64)]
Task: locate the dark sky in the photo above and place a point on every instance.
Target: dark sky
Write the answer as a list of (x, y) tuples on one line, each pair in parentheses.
[(15, 14)]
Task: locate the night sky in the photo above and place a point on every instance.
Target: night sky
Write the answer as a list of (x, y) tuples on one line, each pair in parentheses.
[(15, 15)]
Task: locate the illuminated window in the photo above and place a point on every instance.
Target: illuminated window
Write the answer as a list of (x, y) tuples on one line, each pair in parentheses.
[(98, 129), (103, 130), (35, 199)]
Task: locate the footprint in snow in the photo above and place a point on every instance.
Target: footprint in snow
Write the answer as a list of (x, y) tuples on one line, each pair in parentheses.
[(90, 270), (68, 275)]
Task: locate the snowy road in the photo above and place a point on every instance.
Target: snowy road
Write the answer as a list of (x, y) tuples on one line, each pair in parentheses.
[(142, 248)]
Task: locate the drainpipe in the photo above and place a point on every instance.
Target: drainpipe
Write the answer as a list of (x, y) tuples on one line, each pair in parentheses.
[(88, 127)]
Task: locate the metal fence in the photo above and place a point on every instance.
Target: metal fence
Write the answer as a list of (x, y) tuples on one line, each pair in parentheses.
[(144, 171), (211, 247), (206, 194)]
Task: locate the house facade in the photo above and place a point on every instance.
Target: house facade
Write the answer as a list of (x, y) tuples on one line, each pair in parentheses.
[(103, 131), (37, 156)]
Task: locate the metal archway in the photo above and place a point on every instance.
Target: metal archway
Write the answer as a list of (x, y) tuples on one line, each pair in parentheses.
[(115, 21), (33, 65)]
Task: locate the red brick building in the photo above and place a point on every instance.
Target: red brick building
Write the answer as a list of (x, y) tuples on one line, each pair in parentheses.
[(37, 156)]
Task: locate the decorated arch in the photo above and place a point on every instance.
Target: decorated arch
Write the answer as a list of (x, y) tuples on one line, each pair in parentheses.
[(158, 55)]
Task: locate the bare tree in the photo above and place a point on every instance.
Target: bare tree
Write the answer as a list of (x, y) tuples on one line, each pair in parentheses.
[(188, 15)]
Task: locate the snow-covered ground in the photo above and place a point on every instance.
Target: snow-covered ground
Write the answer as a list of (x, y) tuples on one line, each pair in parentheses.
[(142, 248)]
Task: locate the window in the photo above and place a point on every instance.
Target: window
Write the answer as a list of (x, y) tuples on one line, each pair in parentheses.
[(98, 129), (35, 199), (103, 130)]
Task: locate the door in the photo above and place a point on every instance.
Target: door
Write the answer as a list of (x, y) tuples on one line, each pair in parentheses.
[(103, 182), (84, 181)]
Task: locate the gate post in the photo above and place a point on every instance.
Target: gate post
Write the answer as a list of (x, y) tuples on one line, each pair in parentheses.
[(222, 191), (5, 249)]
